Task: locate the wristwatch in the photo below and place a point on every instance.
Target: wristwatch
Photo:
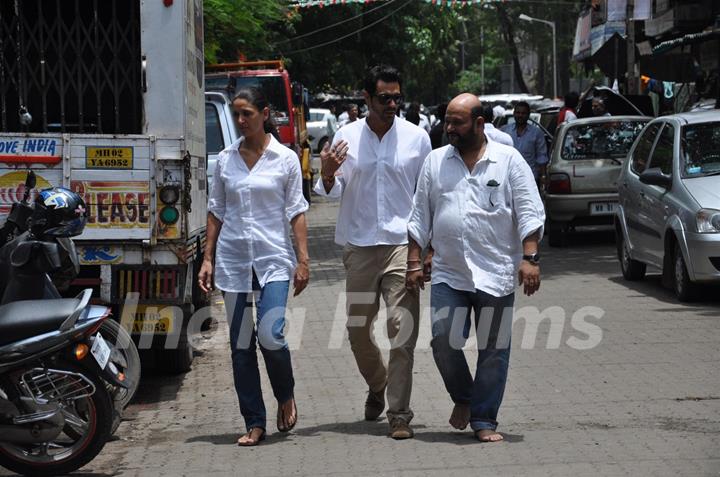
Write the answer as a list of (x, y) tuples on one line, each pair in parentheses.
[(534, 258)]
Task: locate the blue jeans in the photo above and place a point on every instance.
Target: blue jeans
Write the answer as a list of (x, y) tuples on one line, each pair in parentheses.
[(269, 334), (450, 325)]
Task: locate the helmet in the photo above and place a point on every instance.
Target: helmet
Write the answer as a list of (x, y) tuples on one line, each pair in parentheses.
[(59, 212)]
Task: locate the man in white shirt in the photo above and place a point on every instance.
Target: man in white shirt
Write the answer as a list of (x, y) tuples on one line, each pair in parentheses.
[(373, 168), (477, 201), (352, 115), (491, 131)]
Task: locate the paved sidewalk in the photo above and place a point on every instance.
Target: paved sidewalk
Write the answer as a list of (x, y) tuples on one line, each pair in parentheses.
[(645, 400)]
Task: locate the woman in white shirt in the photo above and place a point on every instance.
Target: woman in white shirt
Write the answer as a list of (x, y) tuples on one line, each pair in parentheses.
[(255, 199)]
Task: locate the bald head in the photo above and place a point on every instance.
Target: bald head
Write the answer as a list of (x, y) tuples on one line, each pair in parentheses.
[(463, 121), (465, 103)]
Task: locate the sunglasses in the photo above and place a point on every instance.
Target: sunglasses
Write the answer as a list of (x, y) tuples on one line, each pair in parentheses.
[(386, 98)]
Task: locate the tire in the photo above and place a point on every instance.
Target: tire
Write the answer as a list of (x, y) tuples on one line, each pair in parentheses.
[(557, 233), (684, 288), (632, 270), (118, 336), (176, 361), (96, 410)]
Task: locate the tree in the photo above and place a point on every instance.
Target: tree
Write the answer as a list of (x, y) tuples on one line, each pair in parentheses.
[(241, 27)]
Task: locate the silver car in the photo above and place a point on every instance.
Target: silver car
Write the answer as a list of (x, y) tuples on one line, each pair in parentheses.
[(669, 212), (583, 170)]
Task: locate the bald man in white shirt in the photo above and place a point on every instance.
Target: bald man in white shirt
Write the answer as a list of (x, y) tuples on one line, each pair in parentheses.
[(372, 167), (478, 202)]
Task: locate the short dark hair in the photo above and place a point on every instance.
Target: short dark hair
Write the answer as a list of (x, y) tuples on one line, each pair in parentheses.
[(476, 112), (381, 72), (522, 104), (571, 100), (441, 110)]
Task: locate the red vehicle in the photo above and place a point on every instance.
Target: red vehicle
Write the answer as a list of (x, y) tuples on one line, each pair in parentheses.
[(286, 98)]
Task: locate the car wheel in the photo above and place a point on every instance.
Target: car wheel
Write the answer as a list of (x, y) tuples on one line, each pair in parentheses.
[(631, 269), (557, 233), (685, 290), (321, 144)]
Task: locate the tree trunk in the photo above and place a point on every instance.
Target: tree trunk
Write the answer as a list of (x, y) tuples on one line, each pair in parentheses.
[(508, 35)]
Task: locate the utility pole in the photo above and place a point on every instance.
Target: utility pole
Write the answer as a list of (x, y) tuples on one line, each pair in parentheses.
[(482, 57), (632, 80)]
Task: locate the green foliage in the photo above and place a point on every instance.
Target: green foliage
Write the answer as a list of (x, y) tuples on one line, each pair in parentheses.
[(234, 27)]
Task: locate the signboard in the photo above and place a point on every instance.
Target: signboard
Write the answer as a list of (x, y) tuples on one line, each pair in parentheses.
[(30, 150), (121, 204), (581, 49)]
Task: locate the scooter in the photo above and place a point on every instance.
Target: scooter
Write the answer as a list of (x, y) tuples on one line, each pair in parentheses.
[(27, 282), (56, 411)]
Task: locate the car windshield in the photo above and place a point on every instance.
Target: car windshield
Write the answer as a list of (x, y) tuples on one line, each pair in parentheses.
[(611, 139), (700, 149), (316, 116)]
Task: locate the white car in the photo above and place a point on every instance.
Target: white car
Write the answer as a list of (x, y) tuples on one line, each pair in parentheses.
[(220, 130), (321, 128)]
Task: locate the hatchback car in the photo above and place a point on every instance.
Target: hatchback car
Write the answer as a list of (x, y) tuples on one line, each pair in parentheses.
[(669, 212), (583, 170), (321, 128)]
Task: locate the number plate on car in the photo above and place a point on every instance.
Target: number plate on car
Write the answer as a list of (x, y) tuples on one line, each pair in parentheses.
[(100, 351), (603, 208)]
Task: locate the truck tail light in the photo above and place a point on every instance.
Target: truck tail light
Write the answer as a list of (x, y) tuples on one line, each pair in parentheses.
[(169, 195), (559, 184)]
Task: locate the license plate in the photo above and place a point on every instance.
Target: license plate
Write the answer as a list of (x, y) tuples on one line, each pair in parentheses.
[(603, 208), (153, 319), (100, 351), (109, 158)]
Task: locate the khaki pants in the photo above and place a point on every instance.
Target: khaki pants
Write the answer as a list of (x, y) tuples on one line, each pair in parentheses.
[(372, 271)]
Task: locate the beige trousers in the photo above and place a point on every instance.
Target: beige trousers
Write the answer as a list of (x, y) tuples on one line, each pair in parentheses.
[(371, 272)]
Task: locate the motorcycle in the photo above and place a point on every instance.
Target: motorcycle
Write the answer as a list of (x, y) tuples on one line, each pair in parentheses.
[(16, 285), (56, 370)]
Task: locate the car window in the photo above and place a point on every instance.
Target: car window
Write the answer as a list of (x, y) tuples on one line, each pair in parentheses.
[(642, 150), (611, 139), (316, 116), (700, 151), (662, 155), (213, 131)]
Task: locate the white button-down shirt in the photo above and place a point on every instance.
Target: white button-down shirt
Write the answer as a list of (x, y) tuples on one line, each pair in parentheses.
[(497, 135), (255, 206), (376, 182), (477, 220)]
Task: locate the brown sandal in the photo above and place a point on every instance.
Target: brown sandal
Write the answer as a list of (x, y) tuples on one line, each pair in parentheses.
[(280, 416), (252, 442)]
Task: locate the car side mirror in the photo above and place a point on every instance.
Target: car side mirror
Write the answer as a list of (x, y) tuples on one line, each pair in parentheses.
[(654, 176)]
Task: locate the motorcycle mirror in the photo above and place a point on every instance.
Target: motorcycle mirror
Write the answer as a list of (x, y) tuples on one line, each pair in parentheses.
[(30, 182)]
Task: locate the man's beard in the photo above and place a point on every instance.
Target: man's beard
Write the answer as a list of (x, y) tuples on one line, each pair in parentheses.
[(465, 141)]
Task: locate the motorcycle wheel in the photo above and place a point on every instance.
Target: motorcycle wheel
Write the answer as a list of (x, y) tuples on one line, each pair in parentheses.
[(113, 332), (90, 418)]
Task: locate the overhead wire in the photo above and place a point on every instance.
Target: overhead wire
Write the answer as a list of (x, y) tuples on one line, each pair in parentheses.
[(383, 5), (349, 34)]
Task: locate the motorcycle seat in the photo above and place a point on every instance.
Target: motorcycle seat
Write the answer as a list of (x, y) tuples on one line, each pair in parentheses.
[(23, 319)]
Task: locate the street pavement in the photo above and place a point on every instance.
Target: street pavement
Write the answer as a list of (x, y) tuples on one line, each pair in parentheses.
[(620, 379)]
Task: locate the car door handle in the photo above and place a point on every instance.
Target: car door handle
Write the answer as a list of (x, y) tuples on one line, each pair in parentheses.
[(642, 194)]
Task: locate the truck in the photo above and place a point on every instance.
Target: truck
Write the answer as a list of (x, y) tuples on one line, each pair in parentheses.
[(106, 98), (288, 102)]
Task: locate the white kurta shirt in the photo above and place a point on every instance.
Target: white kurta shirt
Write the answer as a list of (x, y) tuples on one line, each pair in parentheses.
[(476, 220), (255, 206), (376, 182)]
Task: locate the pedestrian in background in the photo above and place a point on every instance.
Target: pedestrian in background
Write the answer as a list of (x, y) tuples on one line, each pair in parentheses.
[(529, 140), (372, 167), (352, 114), (437, 132), (255, 199), (491, 131), (568, 111), (478, 202)]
